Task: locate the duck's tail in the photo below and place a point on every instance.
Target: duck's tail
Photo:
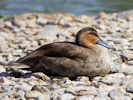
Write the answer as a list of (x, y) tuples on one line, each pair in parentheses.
[(14, 65)]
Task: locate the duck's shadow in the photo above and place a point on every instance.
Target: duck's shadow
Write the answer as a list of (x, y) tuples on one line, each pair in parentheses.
[(28, 75), (15, 74)]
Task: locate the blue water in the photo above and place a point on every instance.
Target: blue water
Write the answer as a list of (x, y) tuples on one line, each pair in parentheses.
[(78, 7)]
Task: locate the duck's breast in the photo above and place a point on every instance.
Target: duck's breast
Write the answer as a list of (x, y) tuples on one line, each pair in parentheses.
[(98, 62)]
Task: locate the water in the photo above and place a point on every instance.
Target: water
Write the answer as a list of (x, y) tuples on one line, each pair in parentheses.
[(78, 7)]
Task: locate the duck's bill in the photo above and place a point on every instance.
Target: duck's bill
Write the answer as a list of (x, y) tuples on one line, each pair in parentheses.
[(102, 43)]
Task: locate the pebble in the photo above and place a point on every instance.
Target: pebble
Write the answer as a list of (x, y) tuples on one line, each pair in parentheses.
[(41, 89), (2, 69), (25, 87), (113, 79), (43, 97), (125, 69), (130, 62), (87, 91), (82, 78), (42, 21), (4, 81), (129, 87), (32, 94), (21, 93), (41, 75), (51, 32), (86, 97), (115, 95), (67, 96)]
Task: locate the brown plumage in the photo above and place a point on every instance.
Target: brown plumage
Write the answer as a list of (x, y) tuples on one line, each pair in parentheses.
[(84, 57)]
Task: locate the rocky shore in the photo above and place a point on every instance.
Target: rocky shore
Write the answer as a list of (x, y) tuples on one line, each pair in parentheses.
[(19, 35)]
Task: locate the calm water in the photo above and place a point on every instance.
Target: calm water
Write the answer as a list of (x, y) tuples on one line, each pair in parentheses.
[(78, 7)]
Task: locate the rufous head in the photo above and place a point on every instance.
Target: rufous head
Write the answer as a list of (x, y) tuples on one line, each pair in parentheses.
[(88, 37)]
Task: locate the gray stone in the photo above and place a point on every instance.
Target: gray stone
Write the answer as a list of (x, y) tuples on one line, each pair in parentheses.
[(7, 88), (89, 91), (101, 98), (82, 78), (21, 93), (86, 97), (129, 87), (32, 94), (113, 79), (4, 35), (41, 89), (126, 69), (41, 75), (55, 96), (2, 69), (25, 87), (115, 95), (42, 21), (67, 96), (51, 32), (130, 62), (4, 81), (43, 97)]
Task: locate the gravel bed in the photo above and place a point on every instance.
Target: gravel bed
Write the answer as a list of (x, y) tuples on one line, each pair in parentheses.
[(19, 35)]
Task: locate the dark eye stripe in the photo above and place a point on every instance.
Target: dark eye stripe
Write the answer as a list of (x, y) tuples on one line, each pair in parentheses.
[(94, 33)]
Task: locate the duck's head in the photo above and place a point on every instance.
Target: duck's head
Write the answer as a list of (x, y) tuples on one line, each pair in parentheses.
[(88, 37)]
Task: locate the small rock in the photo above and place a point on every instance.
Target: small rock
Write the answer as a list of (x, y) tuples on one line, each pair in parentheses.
[(43, 97), (21, 93), (89, 91), (86, 97), (41, 75), (55, 96), (82, 78), (7, 88), (25, 87), (32, 94), (51, 32), (4, 81), (2, 69), (130, 62), (33, 82), (113, 79), (41, 89), (126, 69), (67, 96), (101, 98), (42, 21), (4, 35), (24, 44), (129, 87), (17, 52), (115, 95), (70, 90)]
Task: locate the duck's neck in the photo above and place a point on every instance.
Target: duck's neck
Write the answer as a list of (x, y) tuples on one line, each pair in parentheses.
[(82, 41)]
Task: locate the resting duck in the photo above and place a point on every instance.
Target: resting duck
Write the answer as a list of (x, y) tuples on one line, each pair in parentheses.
[(87, 56)]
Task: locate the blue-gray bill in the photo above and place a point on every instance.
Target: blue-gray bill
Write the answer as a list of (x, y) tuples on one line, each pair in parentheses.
[(102, 43)]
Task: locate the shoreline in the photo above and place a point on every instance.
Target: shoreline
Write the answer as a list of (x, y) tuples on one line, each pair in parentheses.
[(21, 34)]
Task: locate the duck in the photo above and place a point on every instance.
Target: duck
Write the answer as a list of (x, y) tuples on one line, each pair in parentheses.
[(87, 56)]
